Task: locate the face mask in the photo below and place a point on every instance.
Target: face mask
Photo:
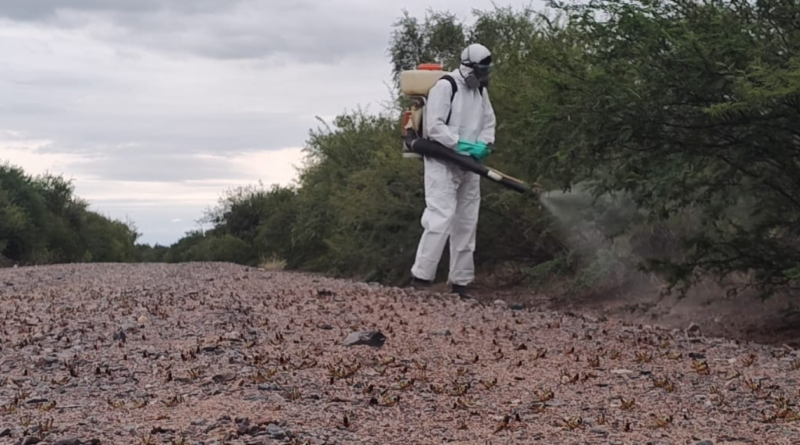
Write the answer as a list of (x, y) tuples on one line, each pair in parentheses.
[(479, 77), (472, 81)]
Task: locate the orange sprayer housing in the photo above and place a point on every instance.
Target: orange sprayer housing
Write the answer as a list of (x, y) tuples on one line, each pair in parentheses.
[(406, 118), (430, 67)]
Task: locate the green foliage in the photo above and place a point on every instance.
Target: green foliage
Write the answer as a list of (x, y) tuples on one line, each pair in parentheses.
[(146, 253), (226, 248), (42, 222), (690, 108), (439, 39)]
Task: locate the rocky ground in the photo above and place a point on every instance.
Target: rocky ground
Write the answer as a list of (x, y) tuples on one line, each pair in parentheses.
[(223, 354)]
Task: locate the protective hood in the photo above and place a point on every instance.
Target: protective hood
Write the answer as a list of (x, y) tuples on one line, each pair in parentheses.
[(476, 65)]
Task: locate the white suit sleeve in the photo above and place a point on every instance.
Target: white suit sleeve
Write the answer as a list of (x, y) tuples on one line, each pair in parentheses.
[(438, 107), (489, 120)]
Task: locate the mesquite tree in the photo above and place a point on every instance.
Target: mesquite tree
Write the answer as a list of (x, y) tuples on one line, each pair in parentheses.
[(692, 108)]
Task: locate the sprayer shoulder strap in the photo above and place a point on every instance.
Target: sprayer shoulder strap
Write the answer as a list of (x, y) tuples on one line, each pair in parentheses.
[(452, 81)]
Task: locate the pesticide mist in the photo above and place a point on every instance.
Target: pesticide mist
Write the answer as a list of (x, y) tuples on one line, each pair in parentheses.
[(599, 229), (579, 212)]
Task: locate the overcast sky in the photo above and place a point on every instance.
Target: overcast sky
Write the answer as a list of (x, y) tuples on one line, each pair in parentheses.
[(155, 107)]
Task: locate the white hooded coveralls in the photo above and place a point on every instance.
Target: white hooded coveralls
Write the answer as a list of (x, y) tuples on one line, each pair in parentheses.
[(452, 195)]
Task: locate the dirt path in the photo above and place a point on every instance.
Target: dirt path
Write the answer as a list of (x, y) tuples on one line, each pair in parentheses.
[(222, 354)]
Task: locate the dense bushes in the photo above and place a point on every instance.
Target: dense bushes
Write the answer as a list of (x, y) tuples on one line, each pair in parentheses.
[(41, 222), (689, 108)]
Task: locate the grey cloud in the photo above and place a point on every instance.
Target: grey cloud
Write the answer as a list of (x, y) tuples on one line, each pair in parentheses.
[(19, 109), (135, 166), (48, 9), (246, 29), (88, 134), (59, 80)]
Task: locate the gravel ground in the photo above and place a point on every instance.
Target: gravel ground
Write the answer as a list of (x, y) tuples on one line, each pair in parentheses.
[(209, 353)]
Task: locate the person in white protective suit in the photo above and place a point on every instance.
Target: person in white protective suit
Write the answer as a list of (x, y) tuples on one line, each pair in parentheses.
[(452, 195)]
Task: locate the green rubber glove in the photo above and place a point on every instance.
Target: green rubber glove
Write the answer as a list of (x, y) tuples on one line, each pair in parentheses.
[(479, 150)]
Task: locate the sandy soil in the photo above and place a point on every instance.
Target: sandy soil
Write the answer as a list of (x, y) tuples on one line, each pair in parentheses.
[(223, 354)]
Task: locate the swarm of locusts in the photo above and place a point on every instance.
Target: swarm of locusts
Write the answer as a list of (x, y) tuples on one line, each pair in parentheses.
[(177, 354)]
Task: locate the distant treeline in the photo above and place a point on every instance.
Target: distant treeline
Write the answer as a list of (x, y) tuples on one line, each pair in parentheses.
[(43, 222)]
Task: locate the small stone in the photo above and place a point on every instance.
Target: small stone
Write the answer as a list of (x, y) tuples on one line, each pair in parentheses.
[(69, 441), (268, 387), (232, 336), (705, 442), (693, 330), (516, 306), (30, 440), (46, 361), (275, 431), (221, 378), (368, 338), (500, 304), (443, 332)]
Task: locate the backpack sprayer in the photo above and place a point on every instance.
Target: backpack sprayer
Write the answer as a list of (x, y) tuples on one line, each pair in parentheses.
[(416, 84)]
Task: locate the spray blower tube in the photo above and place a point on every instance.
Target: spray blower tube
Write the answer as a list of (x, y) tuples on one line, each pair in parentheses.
[(434, 149)]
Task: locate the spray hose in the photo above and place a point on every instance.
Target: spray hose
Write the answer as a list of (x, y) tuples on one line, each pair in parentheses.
[(433, 149)]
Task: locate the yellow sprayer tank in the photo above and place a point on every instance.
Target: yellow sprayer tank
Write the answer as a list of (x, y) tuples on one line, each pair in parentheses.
[(418, 82)]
